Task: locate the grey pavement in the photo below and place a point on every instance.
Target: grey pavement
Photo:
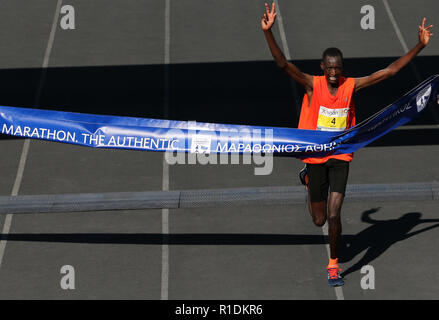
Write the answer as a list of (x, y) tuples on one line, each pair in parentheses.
[(219, 253)]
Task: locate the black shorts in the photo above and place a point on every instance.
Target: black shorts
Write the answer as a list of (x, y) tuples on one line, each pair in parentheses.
[(331, 175)]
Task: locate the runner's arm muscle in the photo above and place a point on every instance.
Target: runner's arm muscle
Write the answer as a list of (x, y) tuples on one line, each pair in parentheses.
[(267, 23), (396, 66), (304, 79)]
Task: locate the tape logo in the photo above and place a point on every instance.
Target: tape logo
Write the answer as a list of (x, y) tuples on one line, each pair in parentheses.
[(201, 144), (422, 98)]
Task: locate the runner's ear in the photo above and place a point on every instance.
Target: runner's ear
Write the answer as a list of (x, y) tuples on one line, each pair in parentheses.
[(322, 66)]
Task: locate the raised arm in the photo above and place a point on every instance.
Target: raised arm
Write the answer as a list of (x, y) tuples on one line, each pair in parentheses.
[(267, 22), (393, 68)]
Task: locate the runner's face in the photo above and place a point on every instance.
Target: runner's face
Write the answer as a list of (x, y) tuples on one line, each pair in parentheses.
[(332, 68)]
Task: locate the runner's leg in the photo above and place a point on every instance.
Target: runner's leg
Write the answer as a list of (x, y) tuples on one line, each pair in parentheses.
[(318, 193), (338, 172), (334, 222)]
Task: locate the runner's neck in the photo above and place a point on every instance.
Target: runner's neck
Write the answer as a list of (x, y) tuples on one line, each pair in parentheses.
[(332, 89)]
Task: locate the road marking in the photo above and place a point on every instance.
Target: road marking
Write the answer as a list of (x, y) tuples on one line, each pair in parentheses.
[(419, 127), (21, 165), (286, 51), (338, 290), (400, 37), (5, 232), (406, 49), (26, 144), (395, 26), (165, 174), (282, 33), (48, 52)]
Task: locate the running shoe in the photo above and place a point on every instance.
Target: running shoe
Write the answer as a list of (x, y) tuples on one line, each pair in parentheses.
[(334, 278)]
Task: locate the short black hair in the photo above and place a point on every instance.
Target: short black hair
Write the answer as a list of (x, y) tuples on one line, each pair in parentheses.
[(332, 52)]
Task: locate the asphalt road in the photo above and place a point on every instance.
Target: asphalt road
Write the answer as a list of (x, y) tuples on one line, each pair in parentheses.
[(217, 68)]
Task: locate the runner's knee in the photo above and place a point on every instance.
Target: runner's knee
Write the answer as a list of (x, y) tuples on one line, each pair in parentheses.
[(318, 213), (335, 203), (319, 221), (333, 219)]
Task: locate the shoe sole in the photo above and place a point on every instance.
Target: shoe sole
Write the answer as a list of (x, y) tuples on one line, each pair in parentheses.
[(336, 283)]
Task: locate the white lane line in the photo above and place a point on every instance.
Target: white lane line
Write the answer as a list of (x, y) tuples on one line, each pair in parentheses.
[(21, 165), (406, 49), (286, 51), (283, 36), (165, 232), (15, 189), (395, 26), (165, 174), (417, 127), (26, 144), (400, 37), (5, 232), (338, 290), (48, 52)]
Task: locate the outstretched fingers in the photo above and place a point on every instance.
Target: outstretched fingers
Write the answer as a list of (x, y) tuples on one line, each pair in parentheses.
[(425, 30), (269, 17), (422, 26), (267, 9)]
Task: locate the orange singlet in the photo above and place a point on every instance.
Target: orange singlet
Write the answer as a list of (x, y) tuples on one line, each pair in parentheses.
[(328, 112)]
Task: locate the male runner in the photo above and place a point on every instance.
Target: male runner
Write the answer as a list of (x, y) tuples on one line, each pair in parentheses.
[(328, 104)]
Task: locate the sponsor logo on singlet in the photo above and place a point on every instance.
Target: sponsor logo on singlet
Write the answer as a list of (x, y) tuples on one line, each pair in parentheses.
[(332, 119)]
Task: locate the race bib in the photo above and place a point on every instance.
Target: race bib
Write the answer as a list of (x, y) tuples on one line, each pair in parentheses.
[(332, 119)]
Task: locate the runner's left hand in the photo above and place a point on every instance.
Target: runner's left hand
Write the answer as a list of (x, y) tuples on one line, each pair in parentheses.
[(424, 33)]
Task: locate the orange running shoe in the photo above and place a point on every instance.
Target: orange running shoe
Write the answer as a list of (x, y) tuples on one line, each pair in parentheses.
[(334, 278)]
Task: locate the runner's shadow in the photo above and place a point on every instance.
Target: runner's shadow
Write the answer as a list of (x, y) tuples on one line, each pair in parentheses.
[(379, 237)]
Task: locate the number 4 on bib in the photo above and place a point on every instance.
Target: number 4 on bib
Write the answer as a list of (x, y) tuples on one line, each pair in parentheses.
[(332, 119)]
